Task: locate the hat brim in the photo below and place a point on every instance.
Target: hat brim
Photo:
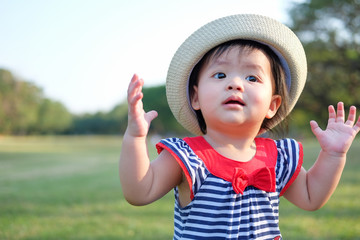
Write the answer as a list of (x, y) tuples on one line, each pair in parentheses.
[(243, 26)]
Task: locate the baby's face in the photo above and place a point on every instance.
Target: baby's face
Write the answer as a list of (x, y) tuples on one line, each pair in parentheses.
[(236, 90)]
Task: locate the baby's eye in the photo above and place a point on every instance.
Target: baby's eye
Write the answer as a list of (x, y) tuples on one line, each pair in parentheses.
[(219, 75), (251, 79)]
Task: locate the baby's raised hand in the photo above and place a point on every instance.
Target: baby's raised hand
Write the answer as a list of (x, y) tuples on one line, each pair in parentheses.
[(338, 136), (138, 120)]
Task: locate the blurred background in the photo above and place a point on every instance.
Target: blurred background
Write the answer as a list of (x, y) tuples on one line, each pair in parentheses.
[(65, 66), (64, 71)]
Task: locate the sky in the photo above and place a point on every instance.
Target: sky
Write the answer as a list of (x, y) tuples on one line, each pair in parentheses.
[(83, 53)]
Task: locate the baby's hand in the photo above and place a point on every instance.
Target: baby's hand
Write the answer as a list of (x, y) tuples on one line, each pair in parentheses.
[(338, 136), (138, 120)]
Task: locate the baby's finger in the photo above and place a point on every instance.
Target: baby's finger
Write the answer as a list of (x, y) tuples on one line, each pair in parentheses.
[(332, 114), (135, 87), (340, 112), (352, 115), (149, 116), (315, 128), (136, 98), (356, 127), (132, 85)]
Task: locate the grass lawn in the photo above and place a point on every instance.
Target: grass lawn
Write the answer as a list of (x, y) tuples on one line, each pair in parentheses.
[(68, 188)]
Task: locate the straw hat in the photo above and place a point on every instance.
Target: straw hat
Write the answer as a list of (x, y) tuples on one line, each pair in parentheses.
[(243, 26)]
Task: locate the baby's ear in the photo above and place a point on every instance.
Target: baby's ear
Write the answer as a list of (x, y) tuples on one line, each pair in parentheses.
[(274, 106), (195, 99)]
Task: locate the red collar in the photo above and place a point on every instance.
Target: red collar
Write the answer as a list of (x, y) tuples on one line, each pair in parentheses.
[(258, 172)]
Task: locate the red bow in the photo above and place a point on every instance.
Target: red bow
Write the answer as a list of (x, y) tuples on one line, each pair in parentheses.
[(263, 178)]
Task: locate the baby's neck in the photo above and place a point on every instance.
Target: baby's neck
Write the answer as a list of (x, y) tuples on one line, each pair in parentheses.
[(235, 148)]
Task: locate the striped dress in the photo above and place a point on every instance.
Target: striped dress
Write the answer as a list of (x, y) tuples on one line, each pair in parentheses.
[(217, 211)]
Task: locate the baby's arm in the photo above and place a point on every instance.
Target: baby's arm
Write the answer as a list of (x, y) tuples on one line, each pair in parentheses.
[(143, 182), (312, 188)]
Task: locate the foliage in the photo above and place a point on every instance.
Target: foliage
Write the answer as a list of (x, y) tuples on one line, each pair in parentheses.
[(18, 104), (53, 117), (165, 123), (330, 32), (115, 121), (24, 110), (101, 123)]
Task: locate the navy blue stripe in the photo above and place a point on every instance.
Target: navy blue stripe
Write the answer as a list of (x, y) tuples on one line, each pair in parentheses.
[(293, 157), (238, 223), (208, 205), (190, 236), (229, 215)]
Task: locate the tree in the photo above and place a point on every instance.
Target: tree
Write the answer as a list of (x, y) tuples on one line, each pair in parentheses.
[(155, 99), (330, 33), (19, 101), (118, 118), (24, 110), (53, 118)]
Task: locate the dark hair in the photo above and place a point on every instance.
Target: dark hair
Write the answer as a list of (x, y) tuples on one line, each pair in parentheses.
[(276, 69)]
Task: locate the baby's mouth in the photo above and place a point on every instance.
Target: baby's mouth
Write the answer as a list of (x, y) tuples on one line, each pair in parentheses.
[(234, 100)]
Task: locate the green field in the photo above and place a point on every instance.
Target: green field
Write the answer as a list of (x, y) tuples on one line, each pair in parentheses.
[(68, 188)]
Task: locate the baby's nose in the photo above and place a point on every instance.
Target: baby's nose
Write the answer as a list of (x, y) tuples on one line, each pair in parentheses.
[(235, 84)]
